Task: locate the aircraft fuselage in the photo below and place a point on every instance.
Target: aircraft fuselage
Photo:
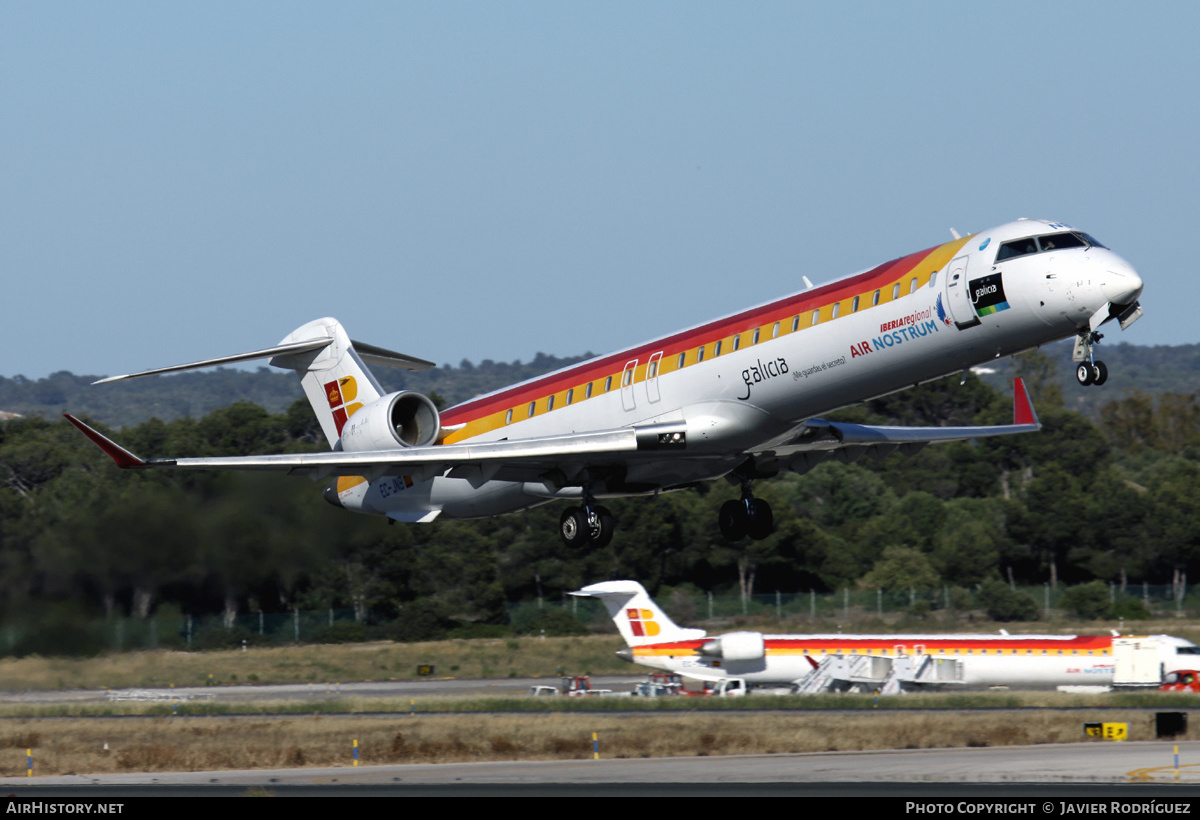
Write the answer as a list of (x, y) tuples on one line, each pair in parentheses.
[(745, 383)]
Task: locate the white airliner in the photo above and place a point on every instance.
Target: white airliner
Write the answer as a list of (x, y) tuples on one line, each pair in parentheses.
[(888, 663), (739, 397)]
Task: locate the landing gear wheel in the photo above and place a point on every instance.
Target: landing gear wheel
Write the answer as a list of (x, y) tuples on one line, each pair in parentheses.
[(600, 526), (1085, 375), (1099, 373), (573, 527), (733, 520), (762, 520)]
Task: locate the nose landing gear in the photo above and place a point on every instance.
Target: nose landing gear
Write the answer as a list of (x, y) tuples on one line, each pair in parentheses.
[(1088, 371)]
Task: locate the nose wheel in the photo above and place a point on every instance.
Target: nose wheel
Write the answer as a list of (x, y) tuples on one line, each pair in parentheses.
[(1088, 371)]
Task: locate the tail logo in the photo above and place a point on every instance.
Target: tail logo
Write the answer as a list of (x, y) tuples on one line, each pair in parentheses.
[(641, 622), (341, 393)]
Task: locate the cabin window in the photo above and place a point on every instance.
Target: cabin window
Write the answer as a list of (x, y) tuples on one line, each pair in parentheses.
[(854, 305), (608, 384), (570, 395), (737, 341), (933, 279), (652, 369), (627, 377), (717, 349), (682, 360), (754, 340), (837, 308), (795, 323), (912, 286), (700, 354), (775, 331), (816, 317), (532, 407), (550, 403), (875, 299), (587, 393), (508, 416)]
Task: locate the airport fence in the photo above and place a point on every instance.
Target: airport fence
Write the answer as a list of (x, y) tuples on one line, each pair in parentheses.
[(841, 609)]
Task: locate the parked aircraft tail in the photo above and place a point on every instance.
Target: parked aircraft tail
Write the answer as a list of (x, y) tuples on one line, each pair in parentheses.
[(638, 618)]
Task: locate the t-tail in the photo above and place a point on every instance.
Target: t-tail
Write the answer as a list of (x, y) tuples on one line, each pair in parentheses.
[(339, 385), (638, 618)]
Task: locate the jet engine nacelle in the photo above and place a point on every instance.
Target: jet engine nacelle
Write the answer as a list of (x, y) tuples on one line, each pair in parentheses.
[(404, 419), (735, 646)]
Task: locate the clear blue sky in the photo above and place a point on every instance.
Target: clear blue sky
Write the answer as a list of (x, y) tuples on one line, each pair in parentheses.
[(493, 179)]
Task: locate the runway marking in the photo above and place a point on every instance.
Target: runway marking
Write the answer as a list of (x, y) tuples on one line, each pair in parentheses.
[(1162, 774)]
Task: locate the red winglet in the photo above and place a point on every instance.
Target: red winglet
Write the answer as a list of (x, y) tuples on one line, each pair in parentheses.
[(1022, 407), (125, 459)]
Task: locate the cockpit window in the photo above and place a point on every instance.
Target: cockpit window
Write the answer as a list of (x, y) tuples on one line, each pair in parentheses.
[(1041, 244), (1187, 650), (1058, 241), (1018, 247)]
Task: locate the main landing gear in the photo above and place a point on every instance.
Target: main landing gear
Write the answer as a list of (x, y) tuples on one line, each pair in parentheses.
[(1091, 373), (589, 524), (1088, 370), (749, 516)]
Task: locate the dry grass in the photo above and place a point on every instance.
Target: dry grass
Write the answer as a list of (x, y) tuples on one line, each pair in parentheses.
[(77, 746), (487, 658)]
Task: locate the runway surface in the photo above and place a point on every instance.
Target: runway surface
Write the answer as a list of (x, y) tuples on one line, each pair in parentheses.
[(1078, 768), (1083, 769)]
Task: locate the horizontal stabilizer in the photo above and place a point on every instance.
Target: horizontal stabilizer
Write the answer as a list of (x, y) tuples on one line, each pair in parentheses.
[(370, 354), (281, 350), (389, 358)]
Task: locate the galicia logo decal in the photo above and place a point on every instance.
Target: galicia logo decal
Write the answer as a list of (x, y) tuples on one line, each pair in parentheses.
[(341, 394), (641, 621), (761, 372), (987, 295), (986, 242)]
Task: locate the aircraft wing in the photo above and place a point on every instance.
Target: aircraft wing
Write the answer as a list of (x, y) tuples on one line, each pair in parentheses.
[(818, 439), (521, 459), (562, 459)]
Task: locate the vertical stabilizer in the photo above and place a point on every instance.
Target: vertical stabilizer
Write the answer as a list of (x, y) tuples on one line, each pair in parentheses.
[(638, 618), (335, 378)]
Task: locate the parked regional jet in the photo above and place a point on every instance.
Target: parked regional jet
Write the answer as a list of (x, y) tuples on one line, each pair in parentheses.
[(889, 663), (739, 397)]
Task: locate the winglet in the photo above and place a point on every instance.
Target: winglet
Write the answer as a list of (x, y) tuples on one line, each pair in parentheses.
[(1023, 412), (125, 459)]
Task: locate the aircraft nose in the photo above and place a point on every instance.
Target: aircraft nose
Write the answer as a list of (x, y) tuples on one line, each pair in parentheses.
[(1121, 285)]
